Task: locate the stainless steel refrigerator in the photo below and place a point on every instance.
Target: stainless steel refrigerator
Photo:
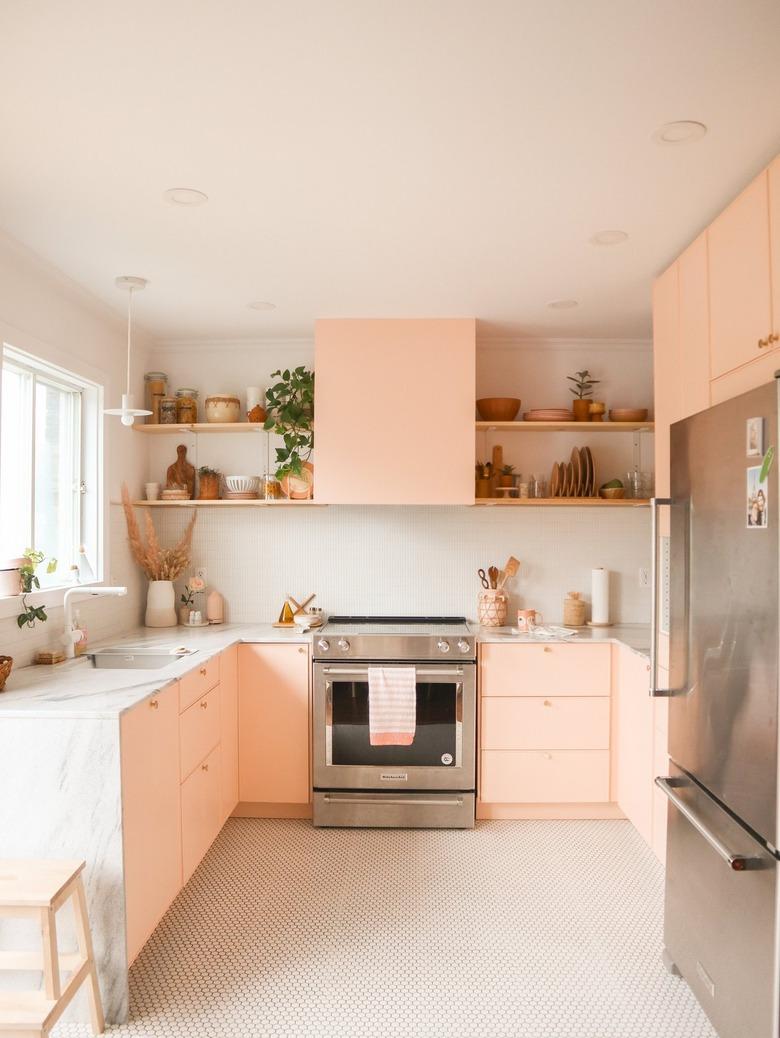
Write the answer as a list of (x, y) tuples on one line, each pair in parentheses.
[(722, 612)]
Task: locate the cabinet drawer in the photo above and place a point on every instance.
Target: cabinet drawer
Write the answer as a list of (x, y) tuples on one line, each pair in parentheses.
[(545, 670), (552, 723), (193, 685), (545, 776), (199, 731), (201, 812)]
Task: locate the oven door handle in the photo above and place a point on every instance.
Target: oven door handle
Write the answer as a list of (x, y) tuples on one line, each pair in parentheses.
[(384, 800), (354, 672)]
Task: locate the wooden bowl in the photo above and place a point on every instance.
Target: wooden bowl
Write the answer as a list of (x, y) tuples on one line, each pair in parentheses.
[(6, 663), (498, 408), (628, 414), (612, 493)]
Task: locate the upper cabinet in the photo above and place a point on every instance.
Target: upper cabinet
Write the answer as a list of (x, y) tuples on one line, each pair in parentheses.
[(694, 334), (740, 279), (394, 406), (774, 245), (666, 367)]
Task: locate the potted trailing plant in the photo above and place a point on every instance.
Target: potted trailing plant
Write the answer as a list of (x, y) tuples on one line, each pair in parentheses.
[(208, 483), (291, 415), (582, 389), (30, 582), (161, 565), (506, 476)]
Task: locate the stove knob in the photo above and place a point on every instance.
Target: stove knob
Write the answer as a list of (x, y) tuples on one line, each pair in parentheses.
[(463, 645), (442, 646), (343, 644), (323, 644)]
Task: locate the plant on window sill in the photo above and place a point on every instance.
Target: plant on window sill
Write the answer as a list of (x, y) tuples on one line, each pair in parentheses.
[(30, 583)]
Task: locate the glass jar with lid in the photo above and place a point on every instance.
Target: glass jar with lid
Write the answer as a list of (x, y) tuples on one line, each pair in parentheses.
[(186, 406), (168, 411), (156, 388)]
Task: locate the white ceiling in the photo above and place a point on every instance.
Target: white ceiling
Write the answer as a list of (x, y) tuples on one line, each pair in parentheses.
[(378, 157)]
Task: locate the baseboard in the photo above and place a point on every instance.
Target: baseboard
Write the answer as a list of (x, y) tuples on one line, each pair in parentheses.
[(549, 811), (247, 809)]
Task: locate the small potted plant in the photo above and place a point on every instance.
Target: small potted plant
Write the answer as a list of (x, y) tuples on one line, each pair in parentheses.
[(208, 483), (506, 476), (30, 582), (582, 389)]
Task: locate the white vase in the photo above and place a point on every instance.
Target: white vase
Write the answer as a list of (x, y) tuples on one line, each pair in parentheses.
[(161, 604)]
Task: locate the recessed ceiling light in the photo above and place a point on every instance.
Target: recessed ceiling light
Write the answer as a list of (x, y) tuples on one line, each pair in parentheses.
[(260, 305), (185, 196), (684, 131), (563, 304), (609, 238)]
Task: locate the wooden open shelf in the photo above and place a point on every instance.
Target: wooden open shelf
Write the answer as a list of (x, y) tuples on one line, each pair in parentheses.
[(200, 427), (589, 427), (281, 503), (562, 502)]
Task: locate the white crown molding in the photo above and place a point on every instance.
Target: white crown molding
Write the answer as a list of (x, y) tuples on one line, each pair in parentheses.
[(570, 345)]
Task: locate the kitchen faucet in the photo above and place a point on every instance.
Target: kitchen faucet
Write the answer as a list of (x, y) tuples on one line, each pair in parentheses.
[(71, 637)]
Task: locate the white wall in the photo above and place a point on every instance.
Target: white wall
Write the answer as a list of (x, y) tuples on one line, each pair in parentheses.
[(416, 559), (46, 314)]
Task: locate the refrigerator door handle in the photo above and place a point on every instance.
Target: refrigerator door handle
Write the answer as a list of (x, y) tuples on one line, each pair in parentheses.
[(655, 691), (736, 862)]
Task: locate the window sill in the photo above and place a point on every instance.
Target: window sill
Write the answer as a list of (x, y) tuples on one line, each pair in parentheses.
[(51, 597)]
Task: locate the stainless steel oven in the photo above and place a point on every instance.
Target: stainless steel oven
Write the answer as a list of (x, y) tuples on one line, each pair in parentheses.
[(427, 783)]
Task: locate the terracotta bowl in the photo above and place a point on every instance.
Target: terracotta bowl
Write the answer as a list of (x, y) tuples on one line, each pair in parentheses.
[(612, 493), (628, 414), (498, 408)]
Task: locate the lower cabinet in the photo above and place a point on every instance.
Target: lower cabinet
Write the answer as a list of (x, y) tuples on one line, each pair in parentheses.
[(634, 743), (201, 811), (228, 722), (151, 820), (545, 776), (273, 707)]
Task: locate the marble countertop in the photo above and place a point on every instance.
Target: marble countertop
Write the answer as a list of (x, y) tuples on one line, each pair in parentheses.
[(635, 636), (76, 689)]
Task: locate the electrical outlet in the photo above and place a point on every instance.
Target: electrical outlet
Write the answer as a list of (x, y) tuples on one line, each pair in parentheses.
[(644, 577), (201, 572)]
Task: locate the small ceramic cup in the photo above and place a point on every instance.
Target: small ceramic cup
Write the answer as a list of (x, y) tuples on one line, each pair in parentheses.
[(527, 619), (152, 491)]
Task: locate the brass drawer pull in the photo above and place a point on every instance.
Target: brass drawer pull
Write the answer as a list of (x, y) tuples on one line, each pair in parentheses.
[(203, 671), (204, 767), (154, 703), (547, 648), (301, 649), (547, 702), (763, 343), (774, 337), (204, 704)]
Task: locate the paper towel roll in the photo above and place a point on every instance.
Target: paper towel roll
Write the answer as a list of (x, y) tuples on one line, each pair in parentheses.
[(599, 596)]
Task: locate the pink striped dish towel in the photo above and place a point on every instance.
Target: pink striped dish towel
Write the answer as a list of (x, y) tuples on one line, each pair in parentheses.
[(392, 705)]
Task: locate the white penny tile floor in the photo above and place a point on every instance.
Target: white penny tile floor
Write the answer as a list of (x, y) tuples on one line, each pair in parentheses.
[(514, 930)]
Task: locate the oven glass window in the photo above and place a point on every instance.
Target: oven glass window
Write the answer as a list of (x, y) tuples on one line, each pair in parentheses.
[(435, 739)]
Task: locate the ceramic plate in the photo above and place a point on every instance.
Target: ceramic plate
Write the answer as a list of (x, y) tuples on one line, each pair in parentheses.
[(554, 480), (578, 473), (586, 490), (592, 473)]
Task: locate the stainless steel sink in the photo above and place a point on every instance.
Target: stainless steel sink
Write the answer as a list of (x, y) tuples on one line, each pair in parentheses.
[(130, 657)]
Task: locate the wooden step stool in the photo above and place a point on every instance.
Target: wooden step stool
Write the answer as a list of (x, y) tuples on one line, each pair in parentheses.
[(36, 889)]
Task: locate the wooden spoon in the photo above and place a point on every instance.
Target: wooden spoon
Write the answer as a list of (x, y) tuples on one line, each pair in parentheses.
[(510, 570)]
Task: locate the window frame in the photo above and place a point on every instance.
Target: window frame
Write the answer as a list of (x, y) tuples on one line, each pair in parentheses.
[(88, 456)]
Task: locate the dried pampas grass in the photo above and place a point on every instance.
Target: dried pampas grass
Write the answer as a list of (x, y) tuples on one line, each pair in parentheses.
[(156, 562)]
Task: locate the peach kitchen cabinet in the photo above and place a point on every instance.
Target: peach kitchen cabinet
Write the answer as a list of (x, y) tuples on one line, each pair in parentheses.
[(666, 364), (634, 743), (228, 718), (545, 731), (273, 722), (740, 279), (394, 411), (694, 334), (201, 811), (151, 820)]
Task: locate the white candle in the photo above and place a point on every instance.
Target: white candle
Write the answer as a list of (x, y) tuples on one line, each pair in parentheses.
[(599, 608)]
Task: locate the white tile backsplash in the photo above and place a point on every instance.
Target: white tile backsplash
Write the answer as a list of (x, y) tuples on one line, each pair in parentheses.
[(414, 560)]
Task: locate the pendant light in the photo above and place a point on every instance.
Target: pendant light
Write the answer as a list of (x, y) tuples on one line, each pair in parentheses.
[(127, 412)]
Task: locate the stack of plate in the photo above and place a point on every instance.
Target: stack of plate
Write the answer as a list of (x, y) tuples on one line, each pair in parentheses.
[(574, 478), (549, 414)]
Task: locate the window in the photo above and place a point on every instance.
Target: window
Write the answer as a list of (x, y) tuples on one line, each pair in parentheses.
[(48, 465)]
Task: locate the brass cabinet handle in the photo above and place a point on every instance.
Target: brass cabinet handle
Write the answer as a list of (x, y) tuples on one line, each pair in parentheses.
[(203, 671), (204, 703), (204, 767), (547, 702), (154, 703), (774, 337), (547, 648), (763, 343)]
